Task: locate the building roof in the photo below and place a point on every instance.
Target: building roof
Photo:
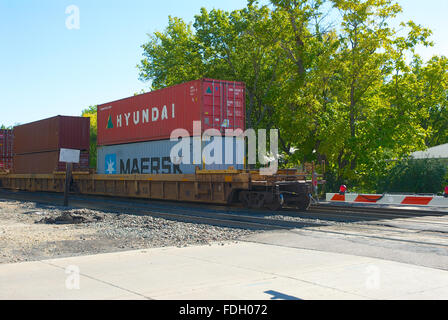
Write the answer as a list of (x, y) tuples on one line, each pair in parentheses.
[(434, 152)]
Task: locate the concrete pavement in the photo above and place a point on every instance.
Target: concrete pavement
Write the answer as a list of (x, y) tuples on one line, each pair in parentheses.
[(241, 270)]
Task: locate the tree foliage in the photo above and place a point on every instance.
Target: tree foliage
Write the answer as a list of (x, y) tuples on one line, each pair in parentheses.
[(415, 176), (4, 127), (91, 113), (333, 76)]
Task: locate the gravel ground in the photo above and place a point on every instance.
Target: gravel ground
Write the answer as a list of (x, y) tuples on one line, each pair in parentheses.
[(30, 231)]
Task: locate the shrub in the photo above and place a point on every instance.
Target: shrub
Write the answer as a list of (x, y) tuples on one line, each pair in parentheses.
[(415, 176)]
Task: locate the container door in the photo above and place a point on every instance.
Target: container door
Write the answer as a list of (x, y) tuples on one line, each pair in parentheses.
[(235, 106), (213, 105)]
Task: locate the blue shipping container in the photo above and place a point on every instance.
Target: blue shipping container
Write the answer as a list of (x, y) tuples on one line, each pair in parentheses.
[(154, 157)]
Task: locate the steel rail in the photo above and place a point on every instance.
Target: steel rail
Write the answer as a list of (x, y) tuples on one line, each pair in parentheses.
[(198, 216), (380, 210), (377, 213)]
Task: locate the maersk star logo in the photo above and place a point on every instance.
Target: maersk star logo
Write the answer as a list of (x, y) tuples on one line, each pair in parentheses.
[(111, 164)]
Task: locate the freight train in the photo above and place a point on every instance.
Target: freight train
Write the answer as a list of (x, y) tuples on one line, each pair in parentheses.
[(134, 151)]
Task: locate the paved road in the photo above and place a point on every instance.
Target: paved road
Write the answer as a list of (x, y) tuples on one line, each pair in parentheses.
[(244, 270)]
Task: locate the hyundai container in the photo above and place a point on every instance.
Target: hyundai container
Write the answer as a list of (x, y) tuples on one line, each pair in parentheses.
[(215, 104), (52, 134), (154, 157)]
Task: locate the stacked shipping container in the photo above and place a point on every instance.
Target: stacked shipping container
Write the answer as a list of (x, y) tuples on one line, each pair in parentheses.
[(153, 157), (134, 133), (37, 144), (6, 149)]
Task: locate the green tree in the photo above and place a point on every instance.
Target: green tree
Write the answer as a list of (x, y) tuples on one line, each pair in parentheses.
[(91, 112), (415, 176), (172, 56), (351, 91), (432, 99), (227, 45), (3, 127)]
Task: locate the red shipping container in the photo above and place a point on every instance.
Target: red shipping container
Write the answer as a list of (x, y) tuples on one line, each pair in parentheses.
[(153, 116), (52, 134), (6, 143), (6, 149), (46, 163), (5, 164)]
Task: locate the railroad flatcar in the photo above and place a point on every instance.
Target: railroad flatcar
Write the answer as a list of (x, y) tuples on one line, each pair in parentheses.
[(227, 187), (133, 151)]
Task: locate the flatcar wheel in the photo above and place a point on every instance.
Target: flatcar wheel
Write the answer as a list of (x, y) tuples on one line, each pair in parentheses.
[(244, 198), (250, 199), (274, 205), (256, 200), (304, 203)]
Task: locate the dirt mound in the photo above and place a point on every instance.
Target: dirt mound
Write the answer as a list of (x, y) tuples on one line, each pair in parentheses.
[(72, 218)]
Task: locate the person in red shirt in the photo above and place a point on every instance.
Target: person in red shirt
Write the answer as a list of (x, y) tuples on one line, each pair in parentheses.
[(445, 194), (342, 189)]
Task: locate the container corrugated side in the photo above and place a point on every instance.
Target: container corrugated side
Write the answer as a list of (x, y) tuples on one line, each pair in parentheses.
[(5, 164), (153, 157), (6, 143), (52, 134), (6, 149), (46, 163), (152, 116)]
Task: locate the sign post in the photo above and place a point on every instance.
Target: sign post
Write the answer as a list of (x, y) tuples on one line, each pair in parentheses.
[(68, 178), (314, 181), (69, 156)]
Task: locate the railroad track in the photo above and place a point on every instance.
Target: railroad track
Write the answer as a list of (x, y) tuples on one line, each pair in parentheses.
[(233, 217), (378, 210), (378, 213), (193, 214)]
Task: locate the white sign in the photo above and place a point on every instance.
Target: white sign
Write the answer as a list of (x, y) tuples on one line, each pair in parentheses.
[(69, 155)]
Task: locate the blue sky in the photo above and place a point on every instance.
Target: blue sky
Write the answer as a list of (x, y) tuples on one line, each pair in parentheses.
[(47, 69)]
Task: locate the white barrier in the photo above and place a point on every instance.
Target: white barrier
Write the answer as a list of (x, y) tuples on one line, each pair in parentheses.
[(389, 199)]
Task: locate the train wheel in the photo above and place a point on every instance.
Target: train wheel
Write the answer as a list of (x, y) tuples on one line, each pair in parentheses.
[(304, 203), (254, 200), (274, 205), (244, 198)]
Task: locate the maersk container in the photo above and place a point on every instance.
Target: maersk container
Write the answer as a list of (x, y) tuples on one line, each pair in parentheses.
[(52, 134), (46, 163), (154, 157), (215, 104)]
